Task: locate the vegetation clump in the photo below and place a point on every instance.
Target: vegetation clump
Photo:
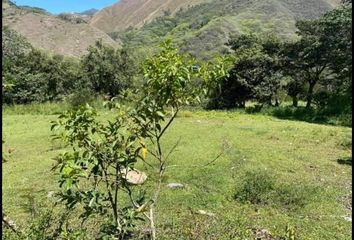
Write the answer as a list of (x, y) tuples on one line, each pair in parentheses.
[(260, 187)]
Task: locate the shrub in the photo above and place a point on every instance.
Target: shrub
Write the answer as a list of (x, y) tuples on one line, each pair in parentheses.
[(260, 187), (291, 196), (256, 187), (346, 143), (254, 109), (48, 225), (80, 98)]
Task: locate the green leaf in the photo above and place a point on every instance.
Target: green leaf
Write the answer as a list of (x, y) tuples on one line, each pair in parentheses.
[(160, 114)]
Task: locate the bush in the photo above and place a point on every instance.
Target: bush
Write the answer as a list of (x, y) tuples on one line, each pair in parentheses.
[(254, 109), (291, 196), (48, 225), (80, 98), (259, 187), (321, 99), (256, 187)]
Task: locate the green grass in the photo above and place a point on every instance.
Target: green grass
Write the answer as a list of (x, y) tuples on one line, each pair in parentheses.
[(303, 159), (48, 108)]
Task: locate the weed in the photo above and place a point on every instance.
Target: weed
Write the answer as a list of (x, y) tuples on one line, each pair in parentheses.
[(81, 98), (292, 196), (260, 187), (256, 187)]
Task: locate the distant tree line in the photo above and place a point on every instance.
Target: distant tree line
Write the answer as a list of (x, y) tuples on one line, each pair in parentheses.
[(317, 68), (36, 76)]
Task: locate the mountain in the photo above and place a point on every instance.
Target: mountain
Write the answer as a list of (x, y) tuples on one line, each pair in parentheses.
[(135, 13), (203, 27), (89, 12), (56, 34), (199, 27)]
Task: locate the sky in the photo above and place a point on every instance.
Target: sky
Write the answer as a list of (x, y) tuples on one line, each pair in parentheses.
[(59, 6)]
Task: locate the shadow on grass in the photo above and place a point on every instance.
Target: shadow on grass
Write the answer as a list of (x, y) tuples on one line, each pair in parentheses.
[(28, 202), (345, 161), (306, 115)]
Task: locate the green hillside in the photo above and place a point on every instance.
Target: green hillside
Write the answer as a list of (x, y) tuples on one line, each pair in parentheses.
[(203, 30)]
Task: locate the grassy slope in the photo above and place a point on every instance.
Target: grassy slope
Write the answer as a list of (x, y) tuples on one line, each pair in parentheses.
[(297, 153)]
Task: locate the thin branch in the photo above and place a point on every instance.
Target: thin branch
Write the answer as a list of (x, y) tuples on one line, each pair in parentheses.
[(169, 123), (214, 160), (9, 223), (110, 194), (152, 153), (173, 148), (142, 159)]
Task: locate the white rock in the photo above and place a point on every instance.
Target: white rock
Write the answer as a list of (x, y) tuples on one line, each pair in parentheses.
[(134, 177), (50, 194), (348, 219), (175, 185), (206, 213)]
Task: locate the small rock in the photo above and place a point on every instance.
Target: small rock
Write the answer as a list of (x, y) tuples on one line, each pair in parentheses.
[(134, 177), (50, 194), (262, 234), (11, 150), (206, 213), (348, 219), (175, 185)]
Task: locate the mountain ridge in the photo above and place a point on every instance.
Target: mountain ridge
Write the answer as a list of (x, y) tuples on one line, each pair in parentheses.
[(135, 13), (52, 33), (89, 12), (203, 29), (199, 27)]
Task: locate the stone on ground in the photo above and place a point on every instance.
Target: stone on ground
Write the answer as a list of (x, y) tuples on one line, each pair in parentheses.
[(175, 185), (134, 176)]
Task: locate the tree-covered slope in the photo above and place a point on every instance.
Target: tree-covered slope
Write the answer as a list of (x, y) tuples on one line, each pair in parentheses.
[(203, 29), (135, 13)]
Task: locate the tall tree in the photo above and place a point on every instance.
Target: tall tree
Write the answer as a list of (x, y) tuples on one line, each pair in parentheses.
[(108, 70), (254, 74), (323, 53), (337, 27), (309, 56)]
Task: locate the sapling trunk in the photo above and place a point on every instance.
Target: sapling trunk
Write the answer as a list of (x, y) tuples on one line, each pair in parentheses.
[(162, 161)]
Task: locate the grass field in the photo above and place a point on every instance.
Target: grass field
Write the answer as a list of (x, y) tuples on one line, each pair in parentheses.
[(309, 166)]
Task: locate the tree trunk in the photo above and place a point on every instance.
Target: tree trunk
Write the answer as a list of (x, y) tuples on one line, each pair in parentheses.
[(295, 101), (243, 104), (277, 102), (269, 101), (310, 95)]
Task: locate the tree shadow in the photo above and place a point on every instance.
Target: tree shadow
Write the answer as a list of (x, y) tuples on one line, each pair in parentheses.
[(28, 203), (345, 161), (309, 115)]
